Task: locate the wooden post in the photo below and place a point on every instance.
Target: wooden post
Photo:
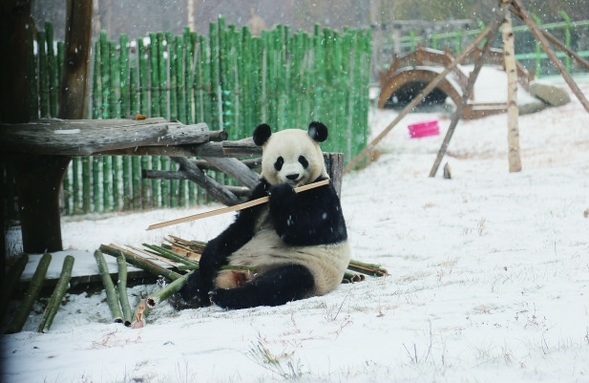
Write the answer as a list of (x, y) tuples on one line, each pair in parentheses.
[(15, 24), (513, 156), (39, 177)]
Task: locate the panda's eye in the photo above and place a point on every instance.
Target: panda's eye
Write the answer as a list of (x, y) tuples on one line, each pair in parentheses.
[(303, 161), (278, 164)]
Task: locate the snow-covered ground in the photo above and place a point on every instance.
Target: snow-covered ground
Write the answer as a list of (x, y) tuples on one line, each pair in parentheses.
[(489, 277)]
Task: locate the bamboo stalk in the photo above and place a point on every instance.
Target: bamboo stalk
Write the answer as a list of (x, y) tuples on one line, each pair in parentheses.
[(57, 295), (172, 256), (140, 262), (11, 278), (367, 268), (122, 288), (228, 209), (153, 255), (111, 294), (32, 292), (167, 291)]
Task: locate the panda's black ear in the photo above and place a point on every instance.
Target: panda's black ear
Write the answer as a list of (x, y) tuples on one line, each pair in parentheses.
[(262, 133), (318, 131)]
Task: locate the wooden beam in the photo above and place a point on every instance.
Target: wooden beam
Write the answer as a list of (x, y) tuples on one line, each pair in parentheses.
[(521, 12), (210, 185), (87, 137), (72, 102), (494, 27)]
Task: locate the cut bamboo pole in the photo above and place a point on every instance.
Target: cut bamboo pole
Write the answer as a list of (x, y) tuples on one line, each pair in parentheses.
[(32, 292), (122, 288), (228, 209), (140, 262), (57, 295), (167, 291), (513, 156), (172, 256), (11, 278), (109, 287)]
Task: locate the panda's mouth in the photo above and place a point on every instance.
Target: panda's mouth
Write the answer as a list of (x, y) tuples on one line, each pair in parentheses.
[(294, 180)]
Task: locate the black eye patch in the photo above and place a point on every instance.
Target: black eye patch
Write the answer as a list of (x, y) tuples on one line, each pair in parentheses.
[(304, 162), (278, 164)]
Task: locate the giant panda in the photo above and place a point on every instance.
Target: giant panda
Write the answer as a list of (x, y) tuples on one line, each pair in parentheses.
[(297, 242)]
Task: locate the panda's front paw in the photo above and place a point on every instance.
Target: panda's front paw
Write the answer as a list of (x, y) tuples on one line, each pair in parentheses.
[(282, 192)]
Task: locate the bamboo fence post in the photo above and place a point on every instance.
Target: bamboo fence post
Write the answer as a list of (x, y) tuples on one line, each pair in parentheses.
[(12, 277), (111, 294), (57, 295), (122, 289), (19, 319), (494, 27), (513, 155)]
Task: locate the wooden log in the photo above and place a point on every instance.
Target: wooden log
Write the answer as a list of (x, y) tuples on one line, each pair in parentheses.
[(88, 137), (57, 295), (109, 288), (235, 168), (493, 28), (212, 187), (72, 102), (19, 319)]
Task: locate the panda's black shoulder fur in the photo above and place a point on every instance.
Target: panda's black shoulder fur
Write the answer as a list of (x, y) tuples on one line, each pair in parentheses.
[(313, 217)]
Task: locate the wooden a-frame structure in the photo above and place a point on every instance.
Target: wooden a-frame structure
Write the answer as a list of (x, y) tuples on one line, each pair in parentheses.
[(488, 35)]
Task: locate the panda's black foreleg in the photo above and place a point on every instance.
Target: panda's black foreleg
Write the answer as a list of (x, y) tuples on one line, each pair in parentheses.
[(194, 293), (274, 287)]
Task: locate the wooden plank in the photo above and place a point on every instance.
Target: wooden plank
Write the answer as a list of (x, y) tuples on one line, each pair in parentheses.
[(87, 137)]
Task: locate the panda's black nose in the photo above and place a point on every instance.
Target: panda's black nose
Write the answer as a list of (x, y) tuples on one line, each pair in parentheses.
[(293, 177)]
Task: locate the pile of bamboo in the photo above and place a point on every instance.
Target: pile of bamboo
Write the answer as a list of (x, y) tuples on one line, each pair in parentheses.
[(174, 260)]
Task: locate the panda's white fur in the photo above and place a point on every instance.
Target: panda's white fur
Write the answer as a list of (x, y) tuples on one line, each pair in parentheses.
[(265, 250)]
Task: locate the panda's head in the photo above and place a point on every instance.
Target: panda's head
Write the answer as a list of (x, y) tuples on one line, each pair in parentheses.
[(292, 156)]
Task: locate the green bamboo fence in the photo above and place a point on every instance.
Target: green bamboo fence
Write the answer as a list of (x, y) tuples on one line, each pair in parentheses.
[(230, 80)]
